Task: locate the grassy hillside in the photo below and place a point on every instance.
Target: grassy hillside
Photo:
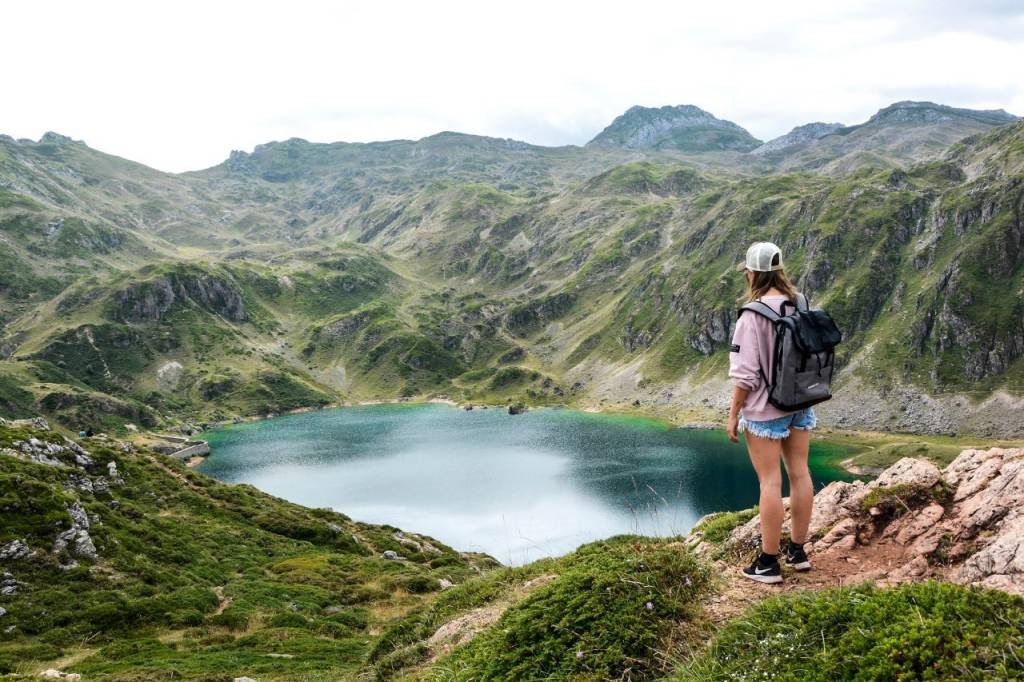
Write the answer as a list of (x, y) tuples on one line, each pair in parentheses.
[(304, 274), (136, 568), (121, 565)]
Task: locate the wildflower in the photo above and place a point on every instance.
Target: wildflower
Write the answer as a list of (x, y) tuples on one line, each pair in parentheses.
[(649, 606)]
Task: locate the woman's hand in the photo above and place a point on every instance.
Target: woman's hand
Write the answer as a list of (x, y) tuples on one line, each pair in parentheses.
[(739, 398)]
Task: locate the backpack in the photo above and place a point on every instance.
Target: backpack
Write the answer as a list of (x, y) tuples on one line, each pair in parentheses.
[(803, 359)]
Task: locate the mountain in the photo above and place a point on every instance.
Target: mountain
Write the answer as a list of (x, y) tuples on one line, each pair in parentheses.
[(683, 127), (808, 132), (304, 274), (896, 135)]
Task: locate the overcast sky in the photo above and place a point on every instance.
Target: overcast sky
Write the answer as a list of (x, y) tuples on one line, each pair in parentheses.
[(178, 85)]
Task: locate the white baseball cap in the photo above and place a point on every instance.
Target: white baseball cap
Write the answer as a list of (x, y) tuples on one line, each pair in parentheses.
[(760, 256)]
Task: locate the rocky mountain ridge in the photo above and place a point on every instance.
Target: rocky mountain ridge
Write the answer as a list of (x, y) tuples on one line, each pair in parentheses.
[(803, 134), (305, 274)]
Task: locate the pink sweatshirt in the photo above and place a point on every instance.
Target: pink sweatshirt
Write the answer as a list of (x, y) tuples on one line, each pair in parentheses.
[(752, 345)]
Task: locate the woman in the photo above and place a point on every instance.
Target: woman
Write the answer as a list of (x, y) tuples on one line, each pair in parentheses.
[(771, 434)]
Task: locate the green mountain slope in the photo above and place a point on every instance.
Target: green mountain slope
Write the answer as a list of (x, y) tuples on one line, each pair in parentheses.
[(486, 269), (128, 566)]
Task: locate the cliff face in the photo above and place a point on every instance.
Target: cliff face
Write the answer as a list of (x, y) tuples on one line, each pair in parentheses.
[(152, 300)]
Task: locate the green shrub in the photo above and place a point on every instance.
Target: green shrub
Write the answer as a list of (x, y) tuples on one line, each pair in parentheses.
[(928, 631), (287, 619), (232, 619), (605, 617), (895, 498), (720, 526), (419, 584)]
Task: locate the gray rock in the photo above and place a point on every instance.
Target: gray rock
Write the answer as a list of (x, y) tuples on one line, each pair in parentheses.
[(391, 555), (14, 550), (76, 540), (38, 423), (112, 473), (79, 483), (910, 471), (169, 375), (799, 135), (3, 612)]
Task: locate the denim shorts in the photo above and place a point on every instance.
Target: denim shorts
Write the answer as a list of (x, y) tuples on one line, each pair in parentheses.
[(777, 429)]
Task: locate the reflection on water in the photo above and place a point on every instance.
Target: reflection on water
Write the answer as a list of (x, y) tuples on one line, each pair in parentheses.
[(518, 488)]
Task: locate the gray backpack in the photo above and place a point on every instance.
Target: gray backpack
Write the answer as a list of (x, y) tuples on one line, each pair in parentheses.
[(803, 358)]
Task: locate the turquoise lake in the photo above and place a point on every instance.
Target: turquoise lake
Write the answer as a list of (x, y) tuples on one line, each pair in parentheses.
[(516, 487)]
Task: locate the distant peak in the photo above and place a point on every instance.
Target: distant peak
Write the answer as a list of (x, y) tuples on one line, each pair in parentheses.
[(910, 111), (51, 137), (683, 126), (799, 135)]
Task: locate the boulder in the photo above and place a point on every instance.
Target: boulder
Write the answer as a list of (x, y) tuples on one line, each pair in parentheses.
[(169, 375), (909, 471), (38, 423), (14, 550), (76, 540)]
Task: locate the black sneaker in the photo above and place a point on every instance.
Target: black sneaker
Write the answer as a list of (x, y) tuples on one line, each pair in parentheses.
[(763, 573), (796, 558)]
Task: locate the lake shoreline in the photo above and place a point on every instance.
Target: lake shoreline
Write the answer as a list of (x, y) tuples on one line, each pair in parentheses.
[(857, 442), (540, 483)]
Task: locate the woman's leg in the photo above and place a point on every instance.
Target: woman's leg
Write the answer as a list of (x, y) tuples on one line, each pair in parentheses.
[(764, 455), (801, 489)]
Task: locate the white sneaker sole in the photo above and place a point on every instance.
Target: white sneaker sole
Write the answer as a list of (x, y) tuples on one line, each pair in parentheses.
[(767, 579), (802, 566)]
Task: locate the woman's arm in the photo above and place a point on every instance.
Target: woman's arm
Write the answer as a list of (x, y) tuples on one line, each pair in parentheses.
[(744, 369), (739, 396)]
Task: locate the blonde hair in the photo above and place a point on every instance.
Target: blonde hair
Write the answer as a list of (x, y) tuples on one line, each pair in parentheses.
[(763, 282)]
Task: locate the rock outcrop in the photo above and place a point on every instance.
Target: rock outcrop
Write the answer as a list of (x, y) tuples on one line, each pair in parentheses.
[(799, 135), (76, 540), (964, 523), (152, 300)]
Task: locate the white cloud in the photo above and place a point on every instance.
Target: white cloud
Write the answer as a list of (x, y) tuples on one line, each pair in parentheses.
[(177, 85)]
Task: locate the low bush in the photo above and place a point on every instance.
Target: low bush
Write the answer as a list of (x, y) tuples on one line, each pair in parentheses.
[(718, 528), (927, 631), (609, 615)]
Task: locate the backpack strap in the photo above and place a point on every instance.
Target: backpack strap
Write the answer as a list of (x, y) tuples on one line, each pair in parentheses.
[(801, 304), (761, 309)]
